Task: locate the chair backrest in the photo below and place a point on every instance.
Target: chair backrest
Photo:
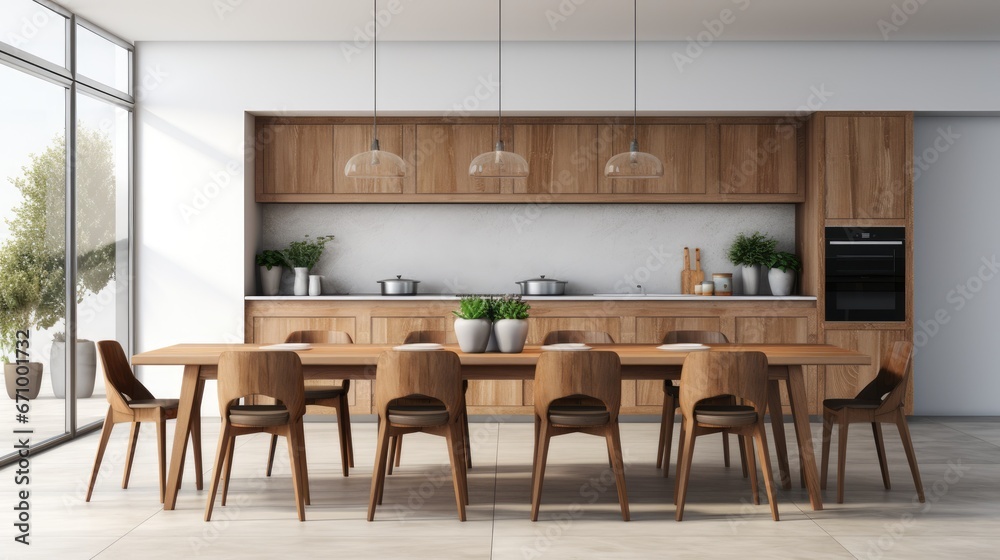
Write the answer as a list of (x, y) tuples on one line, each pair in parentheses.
[(122, 384), (436, 374), (695, 337), (889, 385), (585, 337), (439, 337), (710, 374), (271, 374), (320, 337), (595, 374)]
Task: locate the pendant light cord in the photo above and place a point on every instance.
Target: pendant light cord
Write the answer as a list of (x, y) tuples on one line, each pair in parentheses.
[(375, 71), (635, 71), (500, 70)]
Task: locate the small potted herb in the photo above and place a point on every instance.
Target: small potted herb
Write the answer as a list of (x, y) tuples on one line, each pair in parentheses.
[(472, 324), (781, 275), (751, 252), (511, 325), (271, 263), (301, 256)]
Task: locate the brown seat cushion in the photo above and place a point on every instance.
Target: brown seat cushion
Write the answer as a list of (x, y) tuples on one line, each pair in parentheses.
[(418, 415), (567, 415), (837, 404), (154, 403), (259, 415), (324, 393), (725, 415)]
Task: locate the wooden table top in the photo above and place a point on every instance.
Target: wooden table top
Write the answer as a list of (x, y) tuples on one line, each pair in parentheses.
[(630, 354)]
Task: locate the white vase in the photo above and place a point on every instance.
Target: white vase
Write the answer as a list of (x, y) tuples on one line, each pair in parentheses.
[(751, 280), (86, 368), (511, 334), (781, 282), (270, 280), (473, 334), (491, 346), (301, 286), (315, 284)]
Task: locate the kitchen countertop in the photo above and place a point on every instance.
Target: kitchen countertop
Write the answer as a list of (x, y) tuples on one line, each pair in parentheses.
[(569, 297)]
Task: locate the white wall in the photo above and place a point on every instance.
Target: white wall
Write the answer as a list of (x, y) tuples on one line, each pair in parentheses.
[(191, 205)]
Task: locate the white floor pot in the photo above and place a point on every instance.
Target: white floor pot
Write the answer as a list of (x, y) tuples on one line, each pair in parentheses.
[(781, 282), (301, 286), (86, 368), (473, 334), (29, 380), (270, 280), (511, 334), (751, 280)]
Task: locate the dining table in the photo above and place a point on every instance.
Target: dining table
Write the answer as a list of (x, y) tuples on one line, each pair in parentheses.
[(638, 361)]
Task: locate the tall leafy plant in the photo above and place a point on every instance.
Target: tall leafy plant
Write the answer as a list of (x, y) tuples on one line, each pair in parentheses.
[(753, 249), (473, 307), (305, 253)]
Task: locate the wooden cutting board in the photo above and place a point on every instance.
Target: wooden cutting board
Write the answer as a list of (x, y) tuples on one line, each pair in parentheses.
[(697, 275), (687, 275)]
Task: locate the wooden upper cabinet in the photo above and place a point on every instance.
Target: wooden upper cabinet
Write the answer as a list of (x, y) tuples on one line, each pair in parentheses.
[(760, 159), (351, 139), (444, 152), (562, 158), (683, 149), (295, 159), (867, 166)]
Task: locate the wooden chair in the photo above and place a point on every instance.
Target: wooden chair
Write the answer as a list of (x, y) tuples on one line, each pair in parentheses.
[(707, 375), (880, 401), (331, 396), (671, 403), (396, 442), (129, 401), (433, 375), (568, 375), (277, 375)]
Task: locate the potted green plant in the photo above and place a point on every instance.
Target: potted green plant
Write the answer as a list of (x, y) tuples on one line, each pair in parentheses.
[(511, 325), (751, 252), (781, 274), (472, 324), (13, 320), (271, 263), (301, 256)]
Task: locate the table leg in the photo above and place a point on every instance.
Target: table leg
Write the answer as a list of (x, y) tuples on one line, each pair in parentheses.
[(778, 430), (188, 408), (800, 413)]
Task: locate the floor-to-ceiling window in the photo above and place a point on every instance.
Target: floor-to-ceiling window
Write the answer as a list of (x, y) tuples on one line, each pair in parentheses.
[(65, 185)]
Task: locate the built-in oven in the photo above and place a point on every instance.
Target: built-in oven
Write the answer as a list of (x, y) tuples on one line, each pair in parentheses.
[(865, 274)]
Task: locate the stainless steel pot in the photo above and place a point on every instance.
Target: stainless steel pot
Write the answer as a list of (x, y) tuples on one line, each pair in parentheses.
[(542, 286), (399, 286)]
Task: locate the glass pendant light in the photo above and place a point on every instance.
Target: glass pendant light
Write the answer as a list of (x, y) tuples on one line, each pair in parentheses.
[(375, 164), (634, 164), (499, 163)]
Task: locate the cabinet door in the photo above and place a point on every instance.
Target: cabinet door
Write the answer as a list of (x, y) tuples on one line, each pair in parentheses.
[(562, 158), (681, 147), (866, 167), (651, 330), (349, 140), (847, 381), (444, 152), (393, 330), (295, 158), (758, 159), (764, 330)]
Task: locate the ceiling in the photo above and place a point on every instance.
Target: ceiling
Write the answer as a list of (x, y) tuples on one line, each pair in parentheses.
[(545, 20)]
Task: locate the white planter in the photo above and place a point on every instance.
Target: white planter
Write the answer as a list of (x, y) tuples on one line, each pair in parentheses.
[(473, 334), (315, 284), (270, 280), (86, 368), (301, 286), (781, 282), (491, 346), (29, 380), (751, 280), (511, 334)]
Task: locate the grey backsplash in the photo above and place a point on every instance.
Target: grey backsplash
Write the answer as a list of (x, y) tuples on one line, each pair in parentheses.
[(485, 248)]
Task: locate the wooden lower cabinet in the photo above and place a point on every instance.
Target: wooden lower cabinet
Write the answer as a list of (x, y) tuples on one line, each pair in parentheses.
[(846, 381), (651, 330), (769, 329)]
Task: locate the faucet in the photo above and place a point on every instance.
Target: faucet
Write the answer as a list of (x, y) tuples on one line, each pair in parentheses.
[(641, 289)]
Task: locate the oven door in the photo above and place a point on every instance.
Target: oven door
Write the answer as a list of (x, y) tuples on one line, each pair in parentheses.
[(864, 300)]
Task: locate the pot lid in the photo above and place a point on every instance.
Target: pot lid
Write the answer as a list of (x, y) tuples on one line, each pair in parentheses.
[(542, 278), (399, 278)]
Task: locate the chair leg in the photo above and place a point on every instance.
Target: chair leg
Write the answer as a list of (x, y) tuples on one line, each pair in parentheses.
[(133, 437), (841, 456), (725, 449), (101, 446), (880, 451), (195, 433), (614, 440), (669, 407), (220, 457), (295, 458), (393, 457), (161, 451), (911, 457), (467, 439), (680, 458), (765, 466), (825, 459), (455, 445), (303, 460), (752, 468), (688, 435), (743, 456), (227, 470), (344, 433), (270, 454), (379, 472), (541, 455), (399, 450)]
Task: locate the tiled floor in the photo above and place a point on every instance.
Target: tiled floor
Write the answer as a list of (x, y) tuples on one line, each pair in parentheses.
[(959, 458)]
